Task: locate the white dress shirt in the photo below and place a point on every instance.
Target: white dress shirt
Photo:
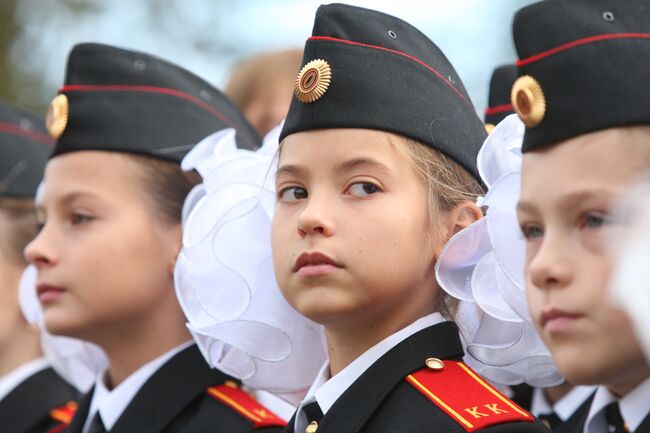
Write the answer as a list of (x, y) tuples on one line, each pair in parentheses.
[(326, 390), (112, 403), (634, 407), (11, 380), (564, 407)]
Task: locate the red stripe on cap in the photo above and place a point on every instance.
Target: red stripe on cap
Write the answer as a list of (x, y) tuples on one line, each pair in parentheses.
[(498, 109), (146, 89), (415, 59), (15, 130), (578, 42)]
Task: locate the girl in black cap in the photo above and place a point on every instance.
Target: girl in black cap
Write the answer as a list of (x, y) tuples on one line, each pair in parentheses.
[(111, 230), (376, 172), (33, 398), (586, 137)]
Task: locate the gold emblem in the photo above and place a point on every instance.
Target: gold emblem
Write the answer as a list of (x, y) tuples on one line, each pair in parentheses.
[(434, 364), (528, 100), (57, 116), (489, 127), (313, 80), (312, 427)]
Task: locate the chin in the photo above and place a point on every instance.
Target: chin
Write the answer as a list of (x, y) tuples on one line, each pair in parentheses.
[(60, 322), (578, 367)]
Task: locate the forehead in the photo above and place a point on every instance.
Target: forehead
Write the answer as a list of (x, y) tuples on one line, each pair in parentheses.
[(319, 148), (90, 172), (603, 160)]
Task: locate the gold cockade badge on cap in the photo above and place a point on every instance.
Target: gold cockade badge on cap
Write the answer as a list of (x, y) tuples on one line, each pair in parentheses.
[(528, 100), (57, 116), (313, 81)]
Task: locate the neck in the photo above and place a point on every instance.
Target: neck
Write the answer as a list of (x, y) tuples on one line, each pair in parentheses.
[(23, 346), (554, 394), (135, 343), (624, 387), (347, 343)]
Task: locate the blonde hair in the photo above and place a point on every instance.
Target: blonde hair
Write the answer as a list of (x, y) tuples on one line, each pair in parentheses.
[(447, 184), (258, 72)]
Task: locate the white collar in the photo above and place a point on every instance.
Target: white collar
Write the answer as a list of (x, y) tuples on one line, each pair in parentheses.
[(633, 407), (112, 403), (564, 407), (326, 390), (15, 377)]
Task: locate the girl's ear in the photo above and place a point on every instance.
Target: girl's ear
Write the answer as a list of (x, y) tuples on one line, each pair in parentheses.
[(175, 237), (455, 220), (464, 215)]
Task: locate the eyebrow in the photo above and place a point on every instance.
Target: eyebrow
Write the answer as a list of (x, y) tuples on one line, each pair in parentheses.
[(570, 200), (351, 164), (67, 198), (348, 165)]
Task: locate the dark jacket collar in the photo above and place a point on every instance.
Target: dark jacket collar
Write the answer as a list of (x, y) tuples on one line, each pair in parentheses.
[(169, 390)]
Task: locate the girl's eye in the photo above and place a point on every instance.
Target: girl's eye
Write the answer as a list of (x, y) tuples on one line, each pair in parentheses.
[(79, 218), (532, 231), (293, 193), (363, 189), (595, 221)]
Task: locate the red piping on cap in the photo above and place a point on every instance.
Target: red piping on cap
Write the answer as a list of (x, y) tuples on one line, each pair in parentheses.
[(415, 59), (579, 42), (146, 89), (498, 109), (35, 136)]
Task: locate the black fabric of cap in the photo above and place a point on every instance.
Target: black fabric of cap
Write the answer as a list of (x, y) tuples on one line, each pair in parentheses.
[(501, 83), (24, 148), (127, 101), (387, 75), (590, 58)]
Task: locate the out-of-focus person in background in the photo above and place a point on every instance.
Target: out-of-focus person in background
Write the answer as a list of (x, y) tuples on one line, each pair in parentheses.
[(262, 87), (110, 211), (33, 398), (499, 106)]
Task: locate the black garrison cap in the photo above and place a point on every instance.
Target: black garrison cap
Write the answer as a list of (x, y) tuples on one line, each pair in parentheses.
[(24, 148), (584, 66), (126, 101), (366, 69), (499, 105)]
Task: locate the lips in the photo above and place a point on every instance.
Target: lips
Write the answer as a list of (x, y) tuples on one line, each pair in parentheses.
[(554, 319), (315, 264), (48, 293)]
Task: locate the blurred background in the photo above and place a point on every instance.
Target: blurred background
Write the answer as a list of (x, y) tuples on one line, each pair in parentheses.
[(210, 37)]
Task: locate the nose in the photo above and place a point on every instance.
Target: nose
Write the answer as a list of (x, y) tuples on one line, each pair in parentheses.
[(550, 267), (316, 218), (40, 251)]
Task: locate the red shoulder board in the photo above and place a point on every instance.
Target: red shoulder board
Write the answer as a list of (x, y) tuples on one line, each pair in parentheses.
[(63, 414), (466, 397), (233, 396)]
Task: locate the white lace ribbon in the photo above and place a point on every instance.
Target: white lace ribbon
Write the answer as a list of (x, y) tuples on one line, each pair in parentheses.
[(224, 274), (629, 244), (483, 265)]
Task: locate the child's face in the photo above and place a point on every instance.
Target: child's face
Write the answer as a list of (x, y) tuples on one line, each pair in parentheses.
[(103, 257), (351, 235), (564, 215)]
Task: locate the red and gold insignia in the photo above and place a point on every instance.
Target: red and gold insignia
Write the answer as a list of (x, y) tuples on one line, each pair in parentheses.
[(528, 100), (64, 415), (56, 118), (233, 396), (313, 81), (465, 396)]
